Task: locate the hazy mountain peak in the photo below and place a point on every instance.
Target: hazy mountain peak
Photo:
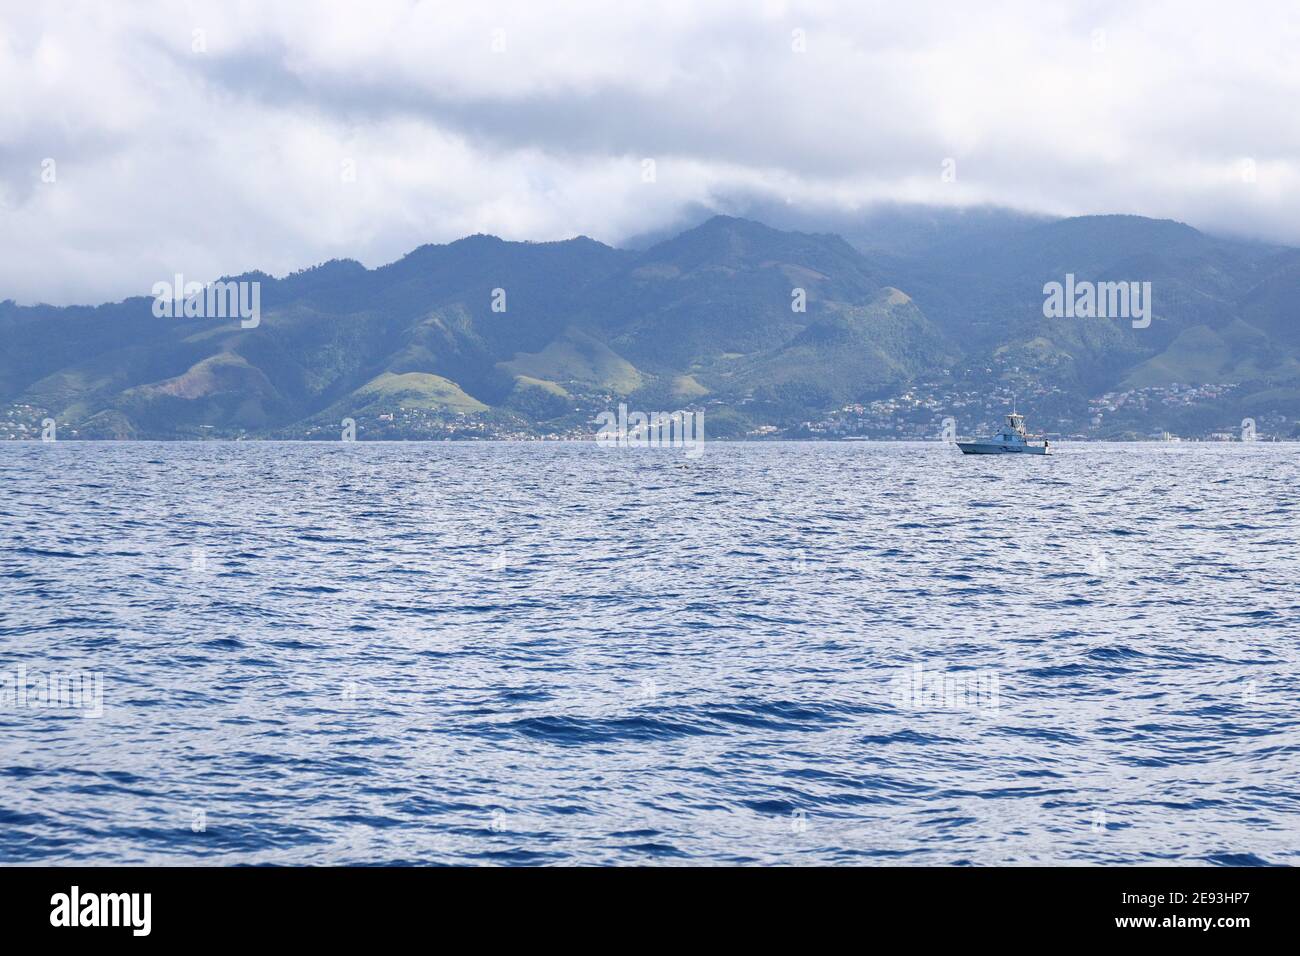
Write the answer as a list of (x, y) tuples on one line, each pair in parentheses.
[(732, 242), (1124, 224)]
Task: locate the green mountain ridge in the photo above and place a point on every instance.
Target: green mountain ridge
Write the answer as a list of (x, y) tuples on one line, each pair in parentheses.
[(771, 331)]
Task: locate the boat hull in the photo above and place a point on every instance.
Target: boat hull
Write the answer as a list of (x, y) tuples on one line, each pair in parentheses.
[(996, 448)]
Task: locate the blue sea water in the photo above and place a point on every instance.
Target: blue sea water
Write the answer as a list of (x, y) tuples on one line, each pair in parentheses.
[(487, 653)]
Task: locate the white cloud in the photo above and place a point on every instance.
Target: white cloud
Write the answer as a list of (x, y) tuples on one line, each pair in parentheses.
[(230, 158)]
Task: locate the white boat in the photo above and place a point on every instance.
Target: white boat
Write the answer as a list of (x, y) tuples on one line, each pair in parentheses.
[(1012, 440)]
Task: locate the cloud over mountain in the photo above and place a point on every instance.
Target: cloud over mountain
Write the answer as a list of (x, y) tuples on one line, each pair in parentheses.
[(211, 138)]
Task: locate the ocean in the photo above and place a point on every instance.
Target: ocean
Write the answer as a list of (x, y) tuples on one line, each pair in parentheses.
[(556, 653)]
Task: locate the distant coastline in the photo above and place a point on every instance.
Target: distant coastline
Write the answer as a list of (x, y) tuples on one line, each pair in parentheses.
[(769, 333)]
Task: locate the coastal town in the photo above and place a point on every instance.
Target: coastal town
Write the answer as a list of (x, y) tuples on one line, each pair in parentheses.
[(1153, 413), (925, 411)]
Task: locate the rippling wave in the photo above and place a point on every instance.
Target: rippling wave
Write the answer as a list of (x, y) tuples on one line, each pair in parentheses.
[(556, 653)]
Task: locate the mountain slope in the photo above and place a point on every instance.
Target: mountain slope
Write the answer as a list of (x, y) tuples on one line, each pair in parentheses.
[(765, 328)]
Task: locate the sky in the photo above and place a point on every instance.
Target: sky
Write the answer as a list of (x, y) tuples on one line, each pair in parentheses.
[(146, 139)]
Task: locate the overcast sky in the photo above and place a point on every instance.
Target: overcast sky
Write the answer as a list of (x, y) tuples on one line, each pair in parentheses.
[(213, 138)]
